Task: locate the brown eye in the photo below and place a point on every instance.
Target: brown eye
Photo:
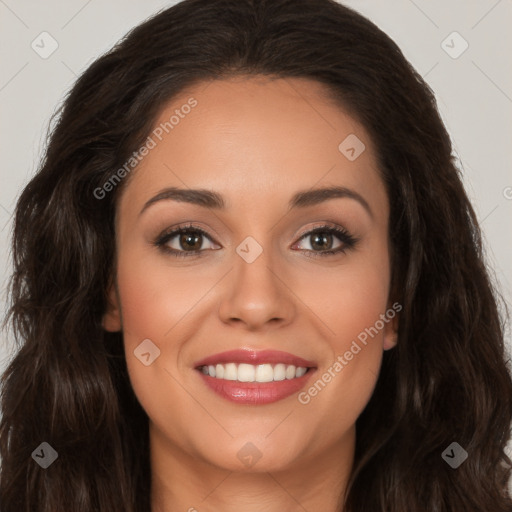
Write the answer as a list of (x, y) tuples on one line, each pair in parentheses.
[(322, 240), (190, 241), (184, 241)]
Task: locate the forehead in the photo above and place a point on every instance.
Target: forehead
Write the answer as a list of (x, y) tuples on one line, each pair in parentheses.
[(255, 140)]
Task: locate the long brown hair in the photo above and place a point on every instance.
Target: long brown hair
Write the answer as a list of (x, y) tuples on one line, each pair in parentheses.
[(447, 379)]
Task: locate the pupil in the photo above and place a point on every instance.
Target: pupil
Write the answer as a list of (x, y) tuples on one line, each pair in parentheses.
[(323, 238), (188, 239)]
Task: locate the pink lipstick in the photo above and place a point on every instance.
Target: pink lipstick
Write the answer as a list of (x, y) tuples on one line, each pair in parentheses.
[(255, 377)]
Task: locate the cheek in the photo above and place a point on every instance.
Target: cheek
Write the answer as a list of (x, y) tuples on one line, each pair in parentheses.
[(153, 300), (155, 297), (350, 304), (349, 298)]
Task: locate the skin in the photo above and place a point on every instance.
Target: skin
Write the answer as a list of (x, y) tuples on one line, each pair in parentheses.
[(256, 142)]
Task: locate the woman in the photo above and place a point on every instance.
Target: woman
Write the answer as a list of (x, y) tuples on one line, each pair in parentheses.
[(247, 276)]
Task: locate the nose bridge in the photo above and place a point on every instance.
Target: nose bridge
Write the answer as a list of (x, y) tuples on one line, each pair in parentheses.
[(255, 260)]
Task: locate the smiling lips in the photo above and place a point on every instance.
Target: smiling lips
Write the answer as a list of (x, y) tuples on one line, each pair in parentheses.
[(255, 377)]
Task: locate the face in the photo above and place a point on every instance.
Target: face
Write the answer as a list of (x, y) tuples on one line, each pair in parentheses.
[(255, 312)]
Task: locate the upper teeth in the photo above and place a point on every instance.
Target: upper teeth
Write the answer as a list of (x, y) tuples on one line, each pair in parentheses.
[(254, 373)]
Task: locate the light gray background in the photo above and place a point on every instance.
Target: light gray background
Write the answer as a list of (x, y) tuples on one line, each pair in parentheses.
[(474, 92)]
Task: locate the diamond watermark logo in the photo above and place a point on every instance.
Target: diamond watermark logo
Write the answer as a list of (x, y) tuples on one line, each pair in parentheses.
[(44, 45), (454, 45), (249, 455), (146, 352), (351, 147), (249, 249), (454, 455), (45, 455)]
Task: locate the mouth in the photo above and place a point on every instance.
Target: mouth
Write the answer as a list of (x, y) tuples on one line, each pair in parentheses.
[(255, 377)]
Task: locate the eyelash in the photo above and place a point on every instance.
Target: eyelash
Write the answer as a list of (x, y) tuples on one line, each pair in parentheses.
[(348, 240)]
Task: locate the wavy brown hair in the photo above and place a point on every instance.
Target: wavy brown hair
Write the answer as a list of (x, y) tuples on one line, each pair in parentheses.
[(446, 380)]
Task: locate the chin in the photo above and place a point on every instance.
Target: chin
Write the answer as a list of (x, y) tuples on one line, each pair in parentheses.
[(244, 455)]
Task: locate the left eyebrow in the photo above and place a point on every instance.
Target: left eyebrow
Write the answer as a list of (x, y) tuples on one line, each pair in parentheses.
[(301, 199), (200, 197)]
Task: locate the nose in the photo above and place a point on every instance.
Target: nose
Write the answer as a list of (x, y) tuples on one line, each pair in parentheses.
[(256, 295)]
